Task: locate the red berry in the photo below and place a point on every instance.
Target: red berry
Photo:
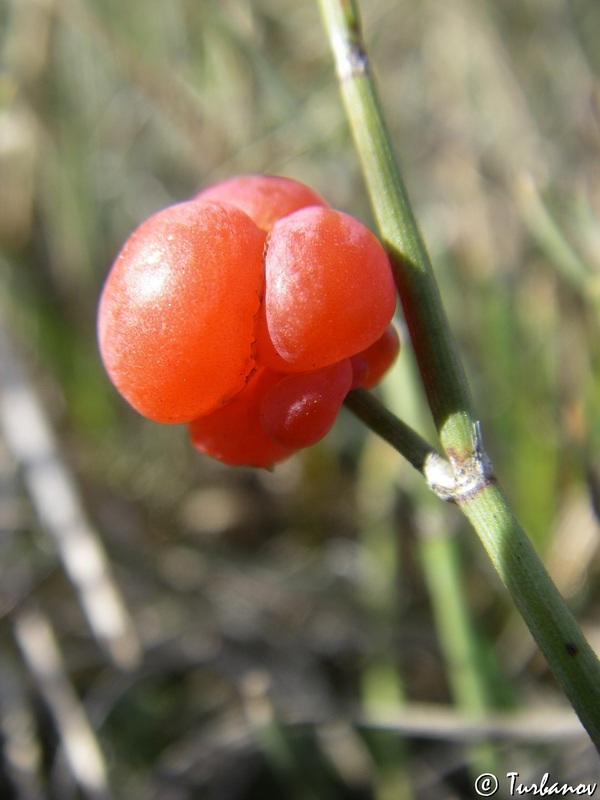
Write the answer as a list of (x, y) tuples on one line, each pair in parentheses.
[(301, 408), (360, 370), (371, 365), (265, 198), (177, 313), (329, 291), (233, 434), (253, 339)]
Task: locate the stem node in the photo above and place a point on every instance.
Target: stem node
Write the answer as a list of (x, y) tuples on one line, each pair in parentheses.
[(459, 480)]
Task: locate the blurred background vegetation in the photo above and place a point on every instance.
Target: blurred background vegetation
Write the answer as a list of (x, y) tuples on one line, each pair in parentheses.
[(173, 628)]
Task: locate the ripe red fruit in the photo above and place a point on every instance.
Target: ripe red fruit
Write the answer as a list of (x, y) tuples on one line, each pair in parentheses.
[(177, 313), (360, 370), (233, 434), (329, 291), (249, 312), (301, 408), (265, 198), (371, 365)]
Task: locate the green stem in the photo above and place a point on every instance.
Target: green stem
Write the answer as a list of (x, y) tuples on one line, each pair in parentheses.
[(441, 371), (470, 482), (539, 602), (403, 438), (550, 621), (476, 681)]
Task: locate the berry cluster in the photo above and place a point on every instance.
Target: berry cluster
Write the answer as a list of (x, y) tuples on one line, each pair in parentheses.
[(249, 312)]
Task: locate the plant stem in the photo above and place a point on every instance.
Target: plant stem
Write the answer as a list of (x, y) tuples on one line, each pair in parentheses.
[(470, 481), (441, 371), (402, 437), (539, 602), (475, 680)]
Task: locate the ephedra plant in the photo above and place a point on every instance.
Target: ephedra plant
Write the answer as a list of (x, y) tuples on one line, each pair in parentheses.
[(253, 311)]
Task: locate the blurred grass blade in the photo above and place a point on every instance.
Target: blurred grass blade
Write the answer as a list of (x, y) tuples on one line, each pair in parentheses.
[(54, 495), (38, 644)]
